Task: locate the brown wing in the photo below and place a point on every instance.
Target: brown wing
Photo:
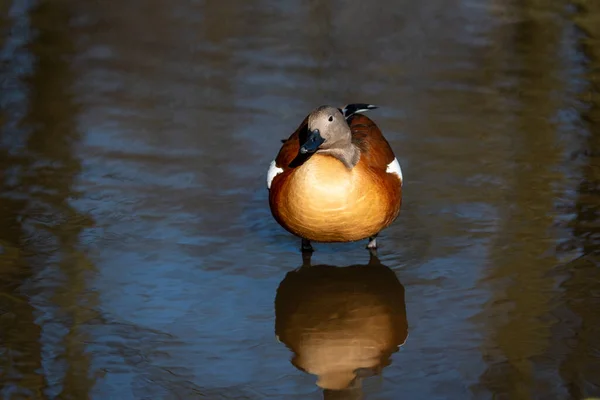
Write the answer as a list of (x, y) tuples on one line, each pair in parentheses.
[(374, 147), (375, 156), (291, 146)]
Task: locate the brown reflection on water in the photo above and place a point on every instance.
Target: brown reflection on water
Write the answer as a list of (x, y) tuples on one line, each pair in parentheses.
[(513, 320), (40, 229), (21, 346), (578, 330), (342, 324)]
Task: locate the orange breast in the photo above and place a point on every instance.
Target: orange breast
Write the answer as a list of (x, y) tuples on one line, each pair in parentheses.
[(323, 201)]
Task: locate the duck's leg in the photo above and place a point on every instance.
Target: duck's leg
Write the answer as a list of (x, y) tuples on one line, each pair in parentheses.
[(372, 242), (306, 246), (306, 258), (373, 259)]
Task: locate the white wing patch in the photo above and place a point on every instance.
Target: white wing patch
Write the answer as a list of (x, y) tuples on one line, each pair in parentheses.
[(274, 170), (394, 168)]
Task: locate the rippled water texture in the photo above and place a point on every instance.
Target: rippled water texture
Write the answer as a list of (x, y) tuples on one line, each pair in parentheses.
[(138, 255)]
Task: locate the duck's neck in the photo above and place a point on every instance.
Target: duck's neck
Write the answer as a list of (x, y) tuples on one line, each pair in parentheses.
[(348, 155)]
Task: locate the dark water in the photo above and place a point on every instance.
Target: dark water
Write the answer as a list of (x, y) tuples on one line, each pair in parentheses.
[(139, 259)]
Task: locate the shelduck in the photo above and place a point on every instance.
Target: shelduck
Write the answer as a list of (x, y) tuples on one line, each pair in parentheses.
[(336, 178)]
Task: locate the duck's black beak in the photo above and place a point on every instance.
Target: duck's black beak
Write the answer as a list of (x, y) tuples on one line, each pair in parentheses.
[(313, 141)]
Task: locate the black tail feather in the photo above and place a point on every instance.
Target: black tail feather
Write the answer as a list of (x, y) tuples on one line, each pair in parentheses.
[(351, 109)]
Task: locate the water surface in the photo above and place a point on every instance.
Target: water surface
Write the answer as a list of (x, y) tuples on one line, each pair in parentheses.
[(138, 256)]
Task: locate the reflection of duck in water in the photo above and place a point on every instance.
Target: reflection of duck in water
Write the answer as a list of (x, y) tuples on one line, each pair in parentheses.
[(341, 323)]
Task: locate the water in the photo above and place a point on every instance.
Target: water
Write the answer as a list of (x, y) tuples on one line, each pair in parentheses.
[(139, 259)]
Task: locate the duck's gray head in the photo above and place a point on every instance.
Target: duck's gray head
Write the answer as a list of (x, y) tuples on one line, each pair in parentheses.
[(327, 129)]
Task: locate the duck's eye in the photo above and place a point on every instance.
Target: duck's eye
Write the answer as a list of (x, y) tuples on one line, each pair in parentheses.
[(330, 118)]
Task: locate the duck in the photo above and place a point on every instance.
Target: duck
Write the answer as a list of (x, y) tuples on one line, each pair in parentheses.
[(336, 178)]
